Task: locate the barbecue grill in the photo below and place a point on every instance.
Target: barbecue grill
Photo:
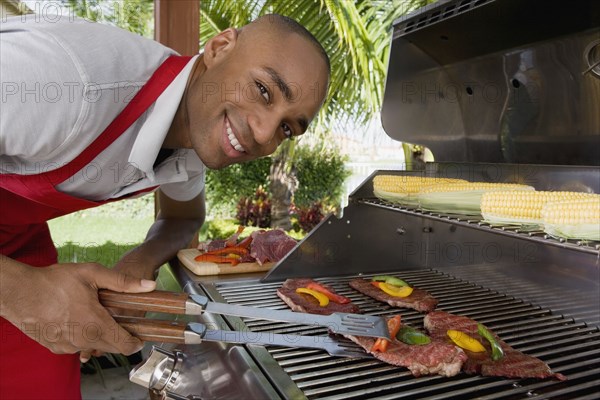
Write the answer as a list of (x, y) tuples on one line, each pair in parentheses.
[(501, 91)]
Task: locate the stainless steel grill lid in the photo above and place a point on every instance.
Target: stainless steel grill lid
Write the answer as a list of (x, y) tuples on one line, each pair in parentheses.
[(498, 81)]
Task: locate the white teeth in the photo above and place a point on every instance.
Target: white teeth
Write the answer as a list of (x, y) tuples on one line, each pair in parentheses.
[(233, 140)]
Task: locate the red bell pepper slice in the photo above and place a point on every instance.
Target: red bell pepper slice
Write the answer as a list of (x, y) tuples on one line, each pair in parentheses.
[(336, 298), (218, 259), (245, 243), (232, 240), (240, 251), (393, 326)]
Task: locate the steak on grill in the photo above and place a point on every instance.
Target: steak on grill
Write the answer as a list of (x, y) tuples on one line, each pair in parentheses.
[(300, 302), (437, 357), (514, 364), (419, 300)]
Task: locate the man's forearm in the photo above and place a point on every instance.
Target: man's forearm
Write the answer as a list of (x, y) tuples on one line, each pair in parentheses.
[(13, 283)]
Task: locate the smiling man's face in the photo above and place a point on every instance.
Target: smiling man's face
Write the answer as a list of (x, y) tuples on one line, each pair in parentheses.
[(259, 87)]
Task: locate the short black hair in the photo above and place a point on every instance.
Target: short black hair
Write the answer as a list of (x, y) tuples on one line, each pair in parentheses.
[(290, 25)]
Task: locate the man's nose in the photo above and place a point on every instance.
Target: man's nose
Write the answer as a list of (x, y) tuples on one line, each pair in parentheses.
[(264, 126)]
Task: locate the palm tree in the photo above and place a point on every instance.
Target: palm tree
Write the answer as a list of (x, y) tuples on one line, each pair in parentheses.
[(355, 34)]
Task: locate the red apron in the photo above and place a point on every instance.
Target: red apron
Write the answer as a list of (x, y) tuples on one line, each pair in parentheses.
[(27, 369)]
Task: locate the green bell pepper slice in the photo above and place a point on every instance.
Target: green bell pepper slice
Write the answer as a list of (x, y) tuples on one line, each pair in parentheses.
[(390, 280), (497, 352), (409, 335)]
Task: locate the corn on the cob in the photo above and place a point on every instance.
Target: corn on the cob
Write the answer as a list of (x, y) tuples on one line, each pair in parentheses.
[(573, 219), (461, 198), (474, 186), (521, 207), (402, 189)]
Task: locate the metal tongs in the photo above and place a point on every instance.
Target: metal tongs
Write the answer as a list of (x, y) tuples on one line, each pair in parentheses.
[(194, 332)]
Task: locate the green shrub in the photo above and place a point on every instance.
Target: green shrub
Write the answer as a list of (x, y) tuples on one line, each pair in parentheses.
[(321, 174), (222, 229), (306, 219), (218, 229), (226, 186), (255, 210)]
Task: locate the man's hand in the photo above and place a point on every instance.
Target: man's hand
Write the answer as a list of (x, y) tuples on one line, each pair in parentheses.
[(58, 307), (173, 230)]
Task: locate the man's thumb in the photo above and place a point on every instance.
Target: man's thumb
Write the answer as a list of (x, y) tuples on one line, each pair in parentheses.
[(121, 282)]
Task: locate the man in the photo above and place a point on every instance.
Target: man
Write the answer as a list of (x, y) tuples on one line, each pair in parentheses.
[(91, 114)]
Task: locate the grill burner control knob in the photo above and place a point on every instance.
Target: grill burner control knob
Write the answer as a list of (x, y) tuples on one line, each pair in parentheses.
[(159, 371)]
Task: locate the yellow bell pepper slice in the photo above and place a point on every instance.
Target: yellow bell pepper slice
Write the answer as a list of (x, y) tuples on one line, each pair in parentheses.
[(323, 300), (465, 341), (396, 291)]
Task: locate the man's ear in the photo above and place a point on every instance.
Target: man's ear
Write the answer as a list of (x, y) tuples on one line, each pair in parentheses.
[(219, 46)]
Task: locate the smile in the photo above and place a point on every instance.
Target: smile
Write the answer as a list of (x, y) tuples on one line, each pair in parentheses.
[(232, 139)]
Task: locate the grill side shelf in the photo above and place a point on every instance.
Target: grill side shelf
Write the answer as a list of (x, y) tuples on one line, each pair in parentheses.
[(474, 222)]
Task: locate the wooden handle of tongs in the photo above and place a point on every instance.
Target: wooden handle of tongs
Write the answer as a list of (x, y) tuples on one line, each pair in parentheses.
[(157, 301), (152, 330)]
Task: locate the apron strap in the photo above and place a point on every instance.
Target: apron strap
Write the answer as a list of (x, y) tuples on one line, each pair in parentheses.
[(146, 96), (40, 188)]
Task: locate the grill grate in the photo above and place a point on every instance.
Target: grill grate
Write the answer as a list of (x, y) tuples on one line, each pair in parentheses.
[(569, 347)]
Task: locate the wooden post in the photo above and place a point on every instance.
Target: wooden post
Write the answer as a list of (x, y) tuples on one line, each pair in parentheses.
[(177, 25)]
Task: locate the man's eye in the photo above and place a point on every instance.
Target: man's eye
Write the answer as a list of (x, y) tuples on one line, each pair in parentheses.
[(287, 131), (263, 91)]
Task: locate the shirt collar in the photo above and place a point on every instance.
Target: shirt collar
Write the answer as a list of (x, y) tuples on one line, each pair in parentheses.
[(158, 121)]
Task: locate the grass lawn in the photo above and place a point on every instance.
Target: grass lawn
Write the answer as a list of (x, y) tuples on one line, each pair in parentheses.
[(105, 233)]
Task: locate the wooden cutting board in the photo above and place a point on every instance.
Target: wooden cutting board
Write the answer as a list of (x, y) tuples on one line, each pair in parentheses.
[(186, 256)]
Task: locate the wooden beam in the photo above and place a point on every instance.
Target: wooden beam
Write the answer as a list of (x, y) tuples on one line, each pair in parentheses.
[(177, 25)]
